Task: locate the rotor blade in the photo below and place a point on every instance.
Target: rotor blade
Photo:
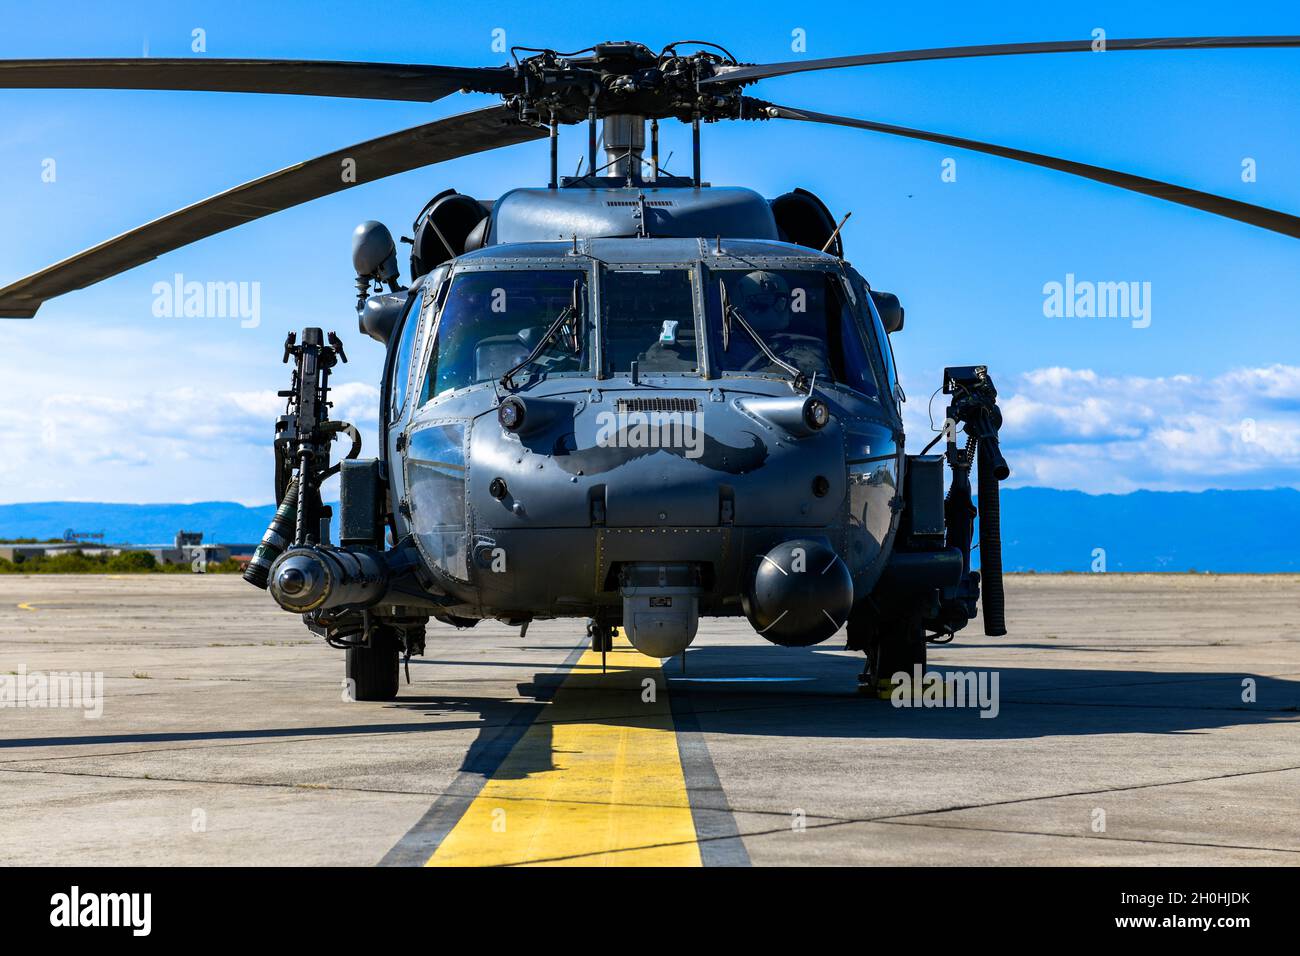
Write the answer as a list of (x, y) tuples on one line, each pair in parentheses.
[(1270, 219), (752, 72), (419, 146), (379, 81)]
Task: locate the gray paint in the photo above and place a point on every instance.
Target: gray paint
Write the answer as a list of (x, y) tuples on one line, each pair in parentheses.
[(528, 215), (659, 505)]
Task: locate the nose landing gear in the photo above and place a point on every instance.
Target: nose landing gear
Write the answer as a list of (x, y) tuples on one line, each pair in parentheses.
[(372, 669), (602, 638), (891, 645)]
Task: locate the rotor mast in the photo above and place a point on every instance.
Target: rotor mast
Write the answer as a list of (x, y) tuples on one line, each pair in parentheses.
[(624, 146), (624, 136)]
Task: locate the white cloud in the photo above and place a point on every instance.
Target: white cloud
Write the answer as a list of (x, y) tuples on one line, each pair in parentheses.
[(176, 417), (170, 412), (180, 444), (1074, 428)]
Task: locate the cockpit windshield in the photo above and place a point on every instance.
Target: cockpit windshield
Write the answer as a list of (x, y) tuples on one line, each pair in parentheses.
[(649, 319), (492, 321), (802, 316), (792, 323)]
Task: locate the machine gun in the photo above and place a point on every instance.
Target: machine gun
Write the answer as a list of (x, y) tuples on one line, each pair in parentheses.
[(303, 436), (335, 588), (974, 405)]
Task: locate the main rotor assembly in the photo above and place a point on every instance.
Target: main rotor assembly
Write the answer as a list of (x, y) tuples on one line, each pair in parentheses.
[(623, 79), (692, 81)]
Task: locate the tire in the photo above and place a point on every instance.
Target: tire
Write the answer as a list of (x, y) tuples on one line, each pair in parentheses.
[(372, 672), (900, 646)]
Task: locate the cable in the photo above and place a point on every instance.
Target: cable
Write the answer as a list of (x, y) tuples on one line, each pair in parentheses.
[(557, 53), (722, 49), (929, 408)]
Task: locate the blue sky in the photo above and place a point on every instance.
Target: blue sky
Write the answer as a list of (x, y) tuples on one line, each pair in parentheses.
[(102, 400)]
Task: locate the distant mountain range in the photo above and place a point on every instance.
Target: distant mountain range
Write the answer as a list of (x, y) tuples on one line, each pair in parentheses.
[(220, 521), (1042, 529)]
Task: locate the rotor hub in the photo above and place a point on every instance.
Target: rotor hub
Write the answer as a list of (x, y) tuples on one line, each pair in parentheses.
[(620, 79)]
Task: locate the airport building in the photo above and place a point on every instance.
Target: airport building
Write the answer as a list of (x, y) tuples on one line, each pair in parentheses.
[(186, 548), (21, 552)]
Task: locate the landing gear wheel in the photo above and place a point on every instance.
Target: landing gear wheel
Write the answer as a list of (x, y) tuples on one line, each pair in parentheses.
[(372, 672), (896, 646)]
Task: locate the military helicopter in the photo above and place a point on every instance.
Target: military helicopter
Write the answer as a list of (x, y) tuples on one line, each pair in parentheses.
[(627, 396)]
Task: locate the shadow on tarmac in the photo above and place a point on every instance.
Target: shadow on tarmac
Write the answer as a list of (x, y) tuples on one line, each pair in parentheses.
[(806, 692), (810, 692)]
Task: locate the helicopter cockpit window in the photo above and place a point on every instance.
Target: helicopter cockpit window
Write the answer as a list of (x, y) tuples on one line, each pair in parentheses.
[(883, 348), (401, 368), (649, 318), (802, 316), (491, 321)]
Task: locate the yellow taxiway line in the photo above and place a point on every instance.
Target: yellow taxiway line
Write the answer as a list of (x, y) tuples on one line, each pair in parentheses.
[(26, 607), (596, 780)]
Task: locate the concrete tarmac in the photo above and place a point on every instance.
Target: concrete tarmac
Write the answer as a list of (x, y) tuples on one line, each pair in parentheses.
[(1141, 719)]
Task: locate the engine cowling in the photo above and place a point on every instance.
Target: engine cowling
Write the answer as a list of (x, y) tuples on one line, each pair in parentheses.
[(443, 230)]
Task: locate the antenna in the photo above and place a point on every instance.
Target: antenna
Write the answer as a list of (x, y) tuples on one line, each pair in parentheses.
[(591, 137), (695, 148), (654, 149), (831, 240), (555, 153)]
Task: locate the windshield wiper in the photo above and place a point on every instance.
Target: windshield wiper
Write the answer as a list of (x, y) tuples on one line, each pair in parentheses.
[(567, 315), (729, 311)]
